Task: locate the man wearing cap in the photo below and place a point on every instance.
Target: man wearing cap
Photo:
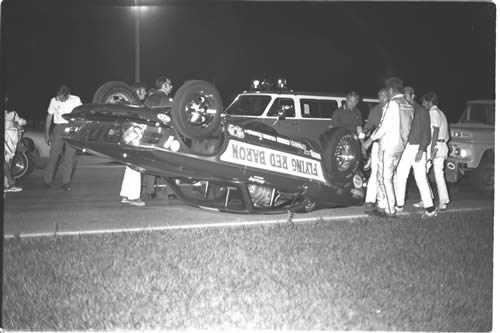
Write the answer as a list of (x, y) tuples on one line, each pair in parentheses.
[(371, 124), (392, 135), (415, 157), (438, 149)]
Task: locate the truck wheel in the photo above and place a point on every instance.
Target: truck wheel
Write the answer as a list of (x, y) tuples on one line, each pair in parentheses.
[(197, 109), (484, 176), (341, 154), (115, 92)]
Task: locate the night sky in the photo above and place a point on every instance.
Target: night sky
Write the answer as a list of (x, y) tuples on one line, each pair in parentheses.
[(317, 46)]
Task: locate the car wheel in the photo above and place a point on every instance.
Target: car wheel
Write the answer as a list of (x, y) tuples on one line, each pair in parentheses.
[(341, 155), (484, 176), (21, 165), (197, 109), (115, 92)]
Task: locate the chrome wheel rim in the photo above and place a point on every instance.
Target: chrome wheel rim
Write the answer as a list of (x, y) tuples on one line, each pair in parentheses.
[(200, 110), (344, 153)]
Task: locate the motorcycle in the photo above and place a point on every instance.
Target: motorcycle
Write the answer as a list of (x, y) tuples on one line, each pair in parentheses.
[(23, 161)]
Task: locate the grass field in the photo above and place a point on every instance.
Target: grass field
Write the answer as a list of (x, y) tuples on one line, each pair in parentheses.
[(403, 274)]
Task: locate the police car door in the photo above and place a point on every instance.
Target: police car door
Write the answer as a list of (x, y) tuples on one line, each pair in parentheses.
[(315, 116), (281, 116)]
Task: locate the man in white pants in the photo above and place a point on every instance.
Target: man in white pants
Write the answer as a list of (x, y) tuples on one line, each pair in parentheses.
[(392, 135), (131, 183), (415, 156), (371, 124), (438, 149)]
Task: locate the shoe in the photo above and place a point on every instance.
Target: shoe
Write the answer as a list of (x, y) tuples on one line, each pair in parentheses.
[(135, 202), (172, 196), (419, 204), (443, 206), (13, 189), (369, 205), (427, 215), (66, 187), (399, 209), (380, 213)]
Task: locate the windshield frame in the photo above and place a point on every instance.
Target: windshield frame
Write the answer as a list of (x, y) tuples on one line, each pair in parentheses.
[(237, 99)]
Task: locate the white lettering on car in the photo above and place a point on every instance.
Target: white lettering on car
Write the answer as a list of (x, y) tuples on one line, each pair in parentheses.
[(251, 155)]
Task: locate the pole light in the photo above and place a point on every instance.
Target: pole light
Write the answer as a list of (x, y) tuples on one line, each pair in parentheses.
[(137, 63)]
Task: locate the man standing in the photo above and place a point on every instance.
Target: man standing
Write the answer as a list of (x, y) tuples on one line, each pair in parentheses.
[(131, 183), (438, 149), (371, 124), (415, 156), (60, 105), (12, 124), (160, 98), (392, 135), (350, 116)]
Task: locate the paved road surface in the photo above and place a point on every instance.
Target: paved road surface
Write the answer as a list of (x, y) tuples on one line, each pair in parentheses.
[(93, 206)]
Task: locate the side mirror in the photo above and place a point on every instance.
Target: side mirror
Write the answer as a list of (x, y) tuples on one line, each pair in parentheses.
[(281, 115)]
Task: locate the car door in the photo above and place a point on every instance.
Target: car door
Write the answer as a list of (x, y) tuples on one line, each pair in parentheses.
[(315, 116), (287, 124)]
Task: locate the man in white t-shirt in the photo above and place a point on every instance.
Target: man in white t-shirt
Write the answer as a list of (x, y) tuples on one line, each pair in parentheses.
[(437, 151), (63, 103)]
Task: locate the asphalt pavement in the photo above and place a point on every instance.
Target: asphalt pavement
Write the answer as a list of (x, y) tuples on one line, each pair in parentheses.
[(93, 206)]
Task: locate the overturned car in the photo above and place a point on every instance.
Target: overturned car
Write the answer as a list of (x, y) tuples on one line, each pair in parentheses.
[(210, 161)]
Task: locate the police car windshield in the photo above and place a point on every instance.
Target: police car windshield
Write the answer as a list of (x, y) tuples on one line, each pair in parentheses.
[(249, 105)]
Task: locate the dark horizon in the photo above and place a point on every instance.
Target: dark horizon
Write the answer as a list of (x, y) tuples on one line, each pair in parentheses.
[(317, 46)]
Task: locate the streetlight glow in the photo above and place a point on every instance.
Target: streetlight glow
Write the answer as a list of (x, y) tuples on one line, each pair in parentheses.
[(140, 9)]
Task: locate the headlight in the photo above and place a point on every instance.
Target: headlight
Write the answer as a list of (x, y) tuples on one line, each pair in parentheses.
[(460, 134), (71, 129), (456, 151), (134, 134), (235, 131)]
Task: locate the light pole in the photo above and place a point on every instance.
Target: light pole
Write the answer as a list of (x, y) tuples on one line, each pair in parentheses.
[(137, 10)]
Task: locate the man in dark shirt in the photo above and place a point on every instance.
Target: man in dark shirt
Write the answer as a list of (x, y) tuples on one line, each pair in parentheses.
[(160, 98), (414, 156), (350, 116)]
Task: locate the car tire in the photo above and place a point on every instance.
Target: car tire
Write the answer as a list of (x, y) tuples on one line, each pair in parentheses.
[(21, 165), (184, 117), (115, 92), (484, 176), (337, 142)]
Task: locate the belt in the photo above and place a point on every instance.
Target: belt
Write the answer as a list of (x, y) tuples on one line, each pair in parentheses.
[(60, 124), (441, 140)]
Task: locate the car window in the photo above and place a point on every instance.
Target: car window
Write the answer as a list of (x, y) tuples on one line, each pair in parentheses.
[(249, 105), (285, 104), (312, 108), (482, 113)]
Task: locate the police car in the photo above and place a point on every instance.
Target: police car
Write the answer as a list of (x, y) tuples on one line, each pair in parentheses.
[(210, 161)]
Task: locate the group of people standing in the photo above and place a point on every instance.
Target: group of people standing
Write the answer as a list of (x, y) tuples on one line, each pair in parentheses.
[(402, 135), (63, 155)]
